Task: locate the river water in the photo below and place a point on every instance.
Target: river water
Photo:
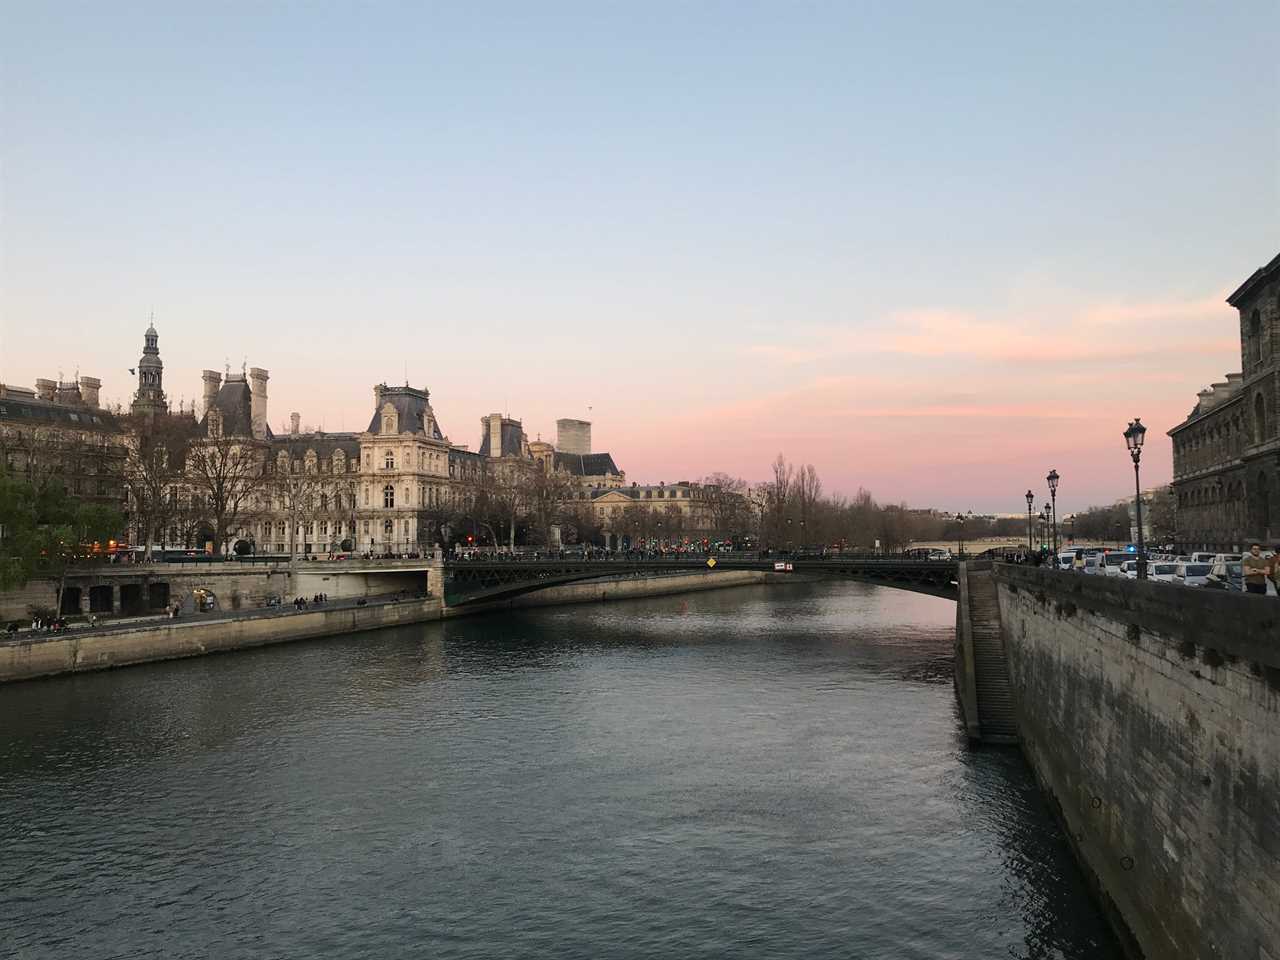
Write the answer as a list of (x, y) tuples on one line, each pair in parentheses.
[(754, 773)]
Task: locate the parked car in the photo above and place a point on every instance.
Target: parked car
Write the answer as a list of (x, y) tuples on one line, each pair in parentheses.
[(1111, 562), (1130, 569), (1226, 575), (1203, 557), (1192, 574), (1162, 571), (1066, 559)]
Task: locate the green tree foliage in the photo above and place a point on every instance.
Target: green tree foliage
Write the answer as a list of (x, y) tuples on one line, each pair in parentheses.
[(44, 531)]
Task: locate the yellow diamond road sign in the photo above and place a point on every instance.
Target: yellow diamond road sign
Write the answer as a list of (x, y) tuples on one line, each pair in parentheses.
[(711, 561)]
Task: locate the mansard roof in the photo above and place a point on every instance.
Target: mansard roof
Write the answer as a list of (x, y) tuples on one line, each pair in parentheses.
[(587, 464), (512, 433), (1258, 278), (324, 444), (413, 411), (35, 412), (234, 403)]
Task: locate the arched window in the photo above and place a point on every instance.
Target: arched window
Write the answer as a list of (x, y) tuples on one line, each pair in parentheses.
[(388, 496), (389, 460), (1259, 419), (324, 501)]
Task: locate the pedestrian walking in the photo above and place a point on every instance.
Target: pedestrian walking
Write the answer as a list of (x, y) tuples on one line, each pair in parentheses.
[(1256, 570)]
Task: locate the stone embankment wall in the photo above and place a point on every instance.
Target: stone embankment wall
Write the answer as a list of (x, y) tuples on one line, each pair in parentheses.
[(170, 639), (1151, 715), (236, 586)]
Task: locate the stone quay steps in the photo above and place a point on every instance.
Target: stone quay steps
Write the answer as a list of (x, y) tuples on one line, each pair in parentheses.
[(991, 667)]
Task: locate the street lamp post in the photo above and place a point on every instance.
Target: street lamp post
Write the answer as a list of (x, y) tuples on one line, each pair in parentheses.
[(1133, 437), (1044, 528), (960, 535), (1052, 480), (1031, 499)]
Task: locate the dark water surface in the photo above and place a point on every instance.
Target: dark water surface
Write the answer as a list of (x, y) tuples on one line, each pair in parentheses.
[(750, 773)]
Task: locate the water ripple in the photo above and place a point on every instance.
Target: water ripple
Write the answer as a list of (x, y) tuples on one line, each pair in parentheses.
[(750, 773)]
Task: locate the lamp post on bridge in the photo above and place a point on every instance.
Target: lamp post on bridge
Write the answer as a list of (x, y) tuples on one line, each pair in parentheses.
[(1031, 499), (1052, 480), (1133, 437), (960, 536)]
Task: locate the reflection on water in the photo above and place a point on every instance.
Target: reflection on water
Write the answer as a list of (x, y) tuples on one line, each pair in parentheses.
[(748, 773)]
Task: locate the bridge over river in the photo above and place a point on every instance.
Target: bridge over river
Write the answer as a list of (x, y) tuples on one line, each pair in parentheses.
[(468, 582)]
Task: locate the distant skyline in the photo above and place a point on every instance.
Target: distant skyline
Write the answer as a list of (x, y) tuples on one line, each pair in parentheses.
[(934, 250)]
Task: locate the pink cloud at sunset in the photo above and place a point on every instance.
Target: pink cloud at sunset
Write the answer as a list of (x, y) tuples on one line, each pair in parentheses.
[(950, 408)]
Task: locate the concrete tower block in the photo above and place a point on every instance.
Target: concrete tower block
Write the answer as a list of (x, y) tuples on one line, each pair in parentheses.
[(89, 388), (212, 381), (258, 401), (573, 436)]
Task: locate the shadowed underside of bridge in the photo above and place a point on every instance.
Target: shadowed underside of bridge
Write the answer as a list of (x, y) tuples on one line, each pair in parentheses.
[(469, 582)]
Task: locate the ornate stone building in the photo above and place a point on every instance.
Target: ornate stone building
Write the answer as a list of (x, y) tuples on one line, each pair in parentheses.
[(58, 432), (394, 487), (1226, 454), (674, 513)]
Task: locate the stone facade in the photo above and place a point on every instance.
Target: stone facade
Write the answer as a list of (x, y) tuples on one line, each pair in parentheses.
[(392, 488), (1226, 454), (58, 430), (629, 515)]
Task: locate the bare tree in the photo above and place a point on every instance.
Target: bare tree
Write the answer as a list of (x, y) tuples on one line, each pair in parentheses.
[(225, 473), (778, 498), (296, 494), (808, 492), (546, 493), (726, 499), (154, 469)]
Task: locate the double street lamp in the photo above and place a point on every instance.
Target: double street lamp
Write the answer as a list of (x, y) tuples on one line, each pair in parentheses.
[(1052, 480), (1133, 437)]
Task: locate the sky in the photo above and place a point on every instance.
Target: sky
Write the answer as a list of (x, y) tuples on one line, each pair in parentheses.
[(933, 249)]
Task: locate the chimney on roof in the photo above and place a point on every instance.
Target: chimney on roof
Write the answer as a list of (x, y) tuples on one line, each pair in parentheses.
[(258, 401), (89, 387), (295, 419), (212, 381)]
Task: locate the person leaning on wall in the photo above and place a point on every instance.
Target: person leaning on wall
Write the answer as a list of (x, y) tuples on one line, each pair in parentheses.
[(1256, 569)]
